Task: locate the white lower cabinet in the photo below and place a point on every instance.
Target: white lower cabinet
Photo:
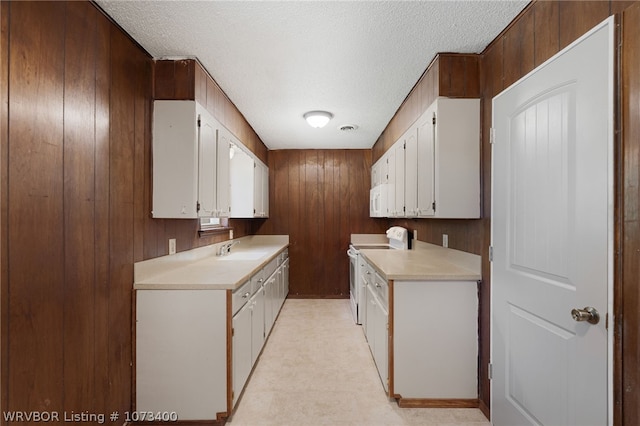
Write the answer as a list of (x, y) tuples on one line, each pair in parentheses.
[(435, 325), (181, 343), (377, 323), (242, 356), (181, 352), (377, 335), (423, 337)]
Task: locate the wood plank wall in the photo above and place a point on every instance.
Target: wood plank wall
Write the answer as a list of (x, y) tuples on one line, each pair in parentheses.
[(74, 121), (627, 396), (539, 32), (319, 198)]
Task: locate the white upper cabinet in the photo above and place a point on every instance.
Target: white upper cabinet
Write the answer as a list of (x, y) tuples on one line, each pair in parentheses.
[(190, 176), (434, 168), (249, 185), (425, 186), (223, 186), (261, 190), (456, 153)]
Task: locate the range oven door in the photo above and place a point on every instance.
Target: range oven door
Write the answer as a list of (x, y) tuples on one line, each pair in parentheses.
[(353, 282)]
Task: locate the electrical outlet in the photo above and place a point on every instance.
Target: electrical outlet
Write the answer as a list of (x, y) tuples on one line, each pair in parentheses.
[(172, 246), (445, 240), (231, 234), (415, 235)]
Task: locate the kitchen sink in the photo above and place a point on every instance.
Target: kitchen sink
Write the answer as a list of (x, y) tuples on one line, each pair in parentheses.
[(244, 255)]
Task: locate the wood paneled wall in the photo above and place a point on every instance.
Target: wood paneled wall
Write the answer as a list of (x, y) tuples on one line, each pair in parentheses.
[(75, 161), (75, 117), (319, 198), (627, 396)]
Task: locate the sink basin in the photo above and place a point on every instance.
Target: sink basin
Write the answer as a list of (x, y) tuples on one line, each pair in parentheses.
[(244, 255)]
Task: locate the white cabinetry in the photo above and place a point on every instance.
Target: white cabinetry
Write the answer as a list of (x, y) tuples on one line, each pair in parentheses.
[(432, 323), (261, 190), (452, 128), (190, 169), (435, 324), (376, 322), (181, 352), (434, 168), (242, 334), (249, 185), (181, 343)]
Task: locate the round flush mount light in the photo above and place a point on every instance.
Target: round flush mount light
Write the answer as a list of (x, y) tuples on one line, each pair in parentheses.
[(318, 119), (348, 127)]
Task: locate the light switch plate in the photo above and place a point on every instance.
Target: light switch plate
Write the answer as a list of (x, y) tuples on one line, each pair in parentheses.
[(172, 246), (445, 240)]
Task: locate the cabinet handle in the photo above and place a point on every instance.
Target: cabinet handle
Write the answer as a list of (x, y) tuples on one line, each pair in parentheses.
[(247, 294), (261, 280), (377, 285)]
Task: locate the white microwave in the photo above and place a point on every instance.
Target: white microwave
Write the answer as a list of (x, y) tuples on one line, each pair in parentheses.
[(378, 201)]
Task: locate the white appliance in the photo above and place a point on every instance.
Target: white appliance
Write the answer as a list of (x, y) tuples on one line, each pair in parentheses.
[(396, 238), (378, 204)]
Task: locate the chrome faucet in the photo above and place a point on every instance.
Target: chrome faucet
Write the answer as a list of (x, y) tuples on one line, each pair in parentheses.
[(226, 248)]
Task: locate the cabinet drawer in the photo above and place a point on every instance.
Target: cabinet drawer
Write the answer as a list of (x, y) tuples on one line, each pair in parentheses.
[(257, 280), (240, 296), (270, 268)]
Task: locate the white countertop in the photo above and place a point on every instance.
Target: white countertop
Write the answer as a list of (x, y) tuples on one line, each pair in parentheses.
[(200, 268), (426, 262)]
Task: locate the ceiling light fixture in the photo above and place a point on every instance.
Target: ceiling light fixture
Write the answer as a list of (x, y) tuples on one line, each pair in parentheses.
[(318, 119)]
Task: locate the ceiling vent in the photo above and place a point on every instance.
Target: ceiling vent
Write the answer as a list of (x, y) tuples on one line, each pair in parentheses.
[(348, 127)]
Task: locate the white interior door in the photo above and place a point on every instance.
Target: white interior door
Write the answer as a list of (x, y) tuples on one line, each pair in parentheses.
[(551, 234)]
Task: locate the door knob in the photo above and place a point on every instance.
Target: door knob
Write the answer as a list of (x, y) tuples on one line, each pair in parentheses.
[(587, 314)]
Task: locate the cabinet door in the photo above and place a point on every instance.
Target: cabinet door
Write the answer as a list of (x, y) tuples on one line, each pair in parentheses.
[(207, 162), (391, 183), (286, 279), (257, 189), (381, 348), (223, 197), (242, 182), (426, 164), (261, 190), (399, 182), (241, 350), (369, 321), (265, 191), (411, 173), (257, 324), (269, 301)]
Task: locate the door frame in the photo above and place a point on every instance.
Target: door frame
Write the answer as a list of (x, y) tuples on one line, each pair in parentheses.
[(613, 202)]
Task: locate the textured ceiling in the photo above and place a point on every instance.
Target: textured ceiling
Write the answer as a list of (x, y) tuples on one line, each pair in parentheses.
[(277, 60)]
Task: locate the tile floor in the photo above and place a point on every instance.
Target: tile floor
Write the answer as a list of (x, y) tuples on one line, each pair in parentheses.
[(316, 369)]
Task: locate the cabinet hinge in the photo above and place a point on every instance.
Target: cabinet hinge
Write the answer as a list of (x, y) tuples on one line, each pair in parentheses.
[(433, 120), (233, 332), (490, 253), (198, 206), (433, 206), (492, 135), (490, 371), (199, 123)]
